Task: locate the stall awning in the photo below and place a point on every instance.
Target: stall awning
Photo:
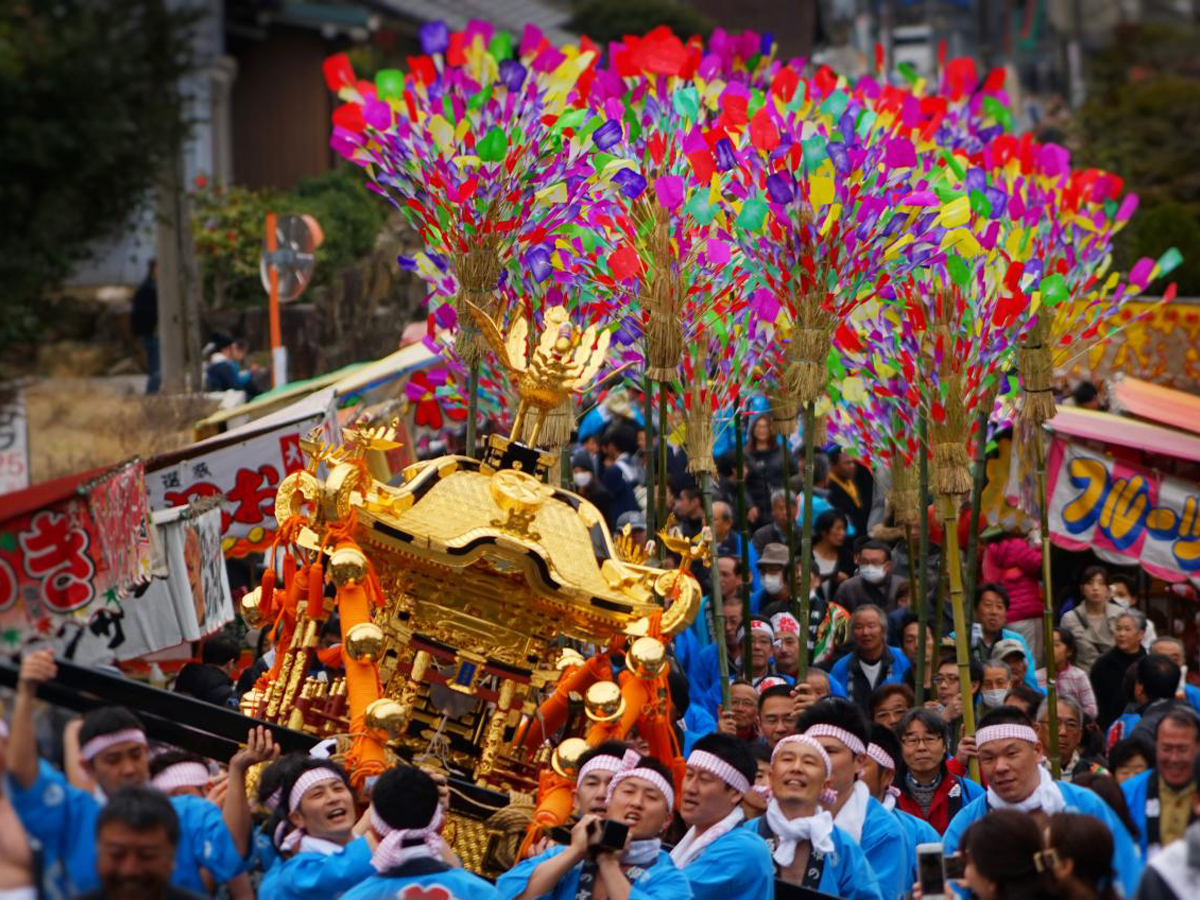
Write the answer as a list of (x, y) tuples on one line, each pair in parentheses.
[(1090, 425), (1163, 405)]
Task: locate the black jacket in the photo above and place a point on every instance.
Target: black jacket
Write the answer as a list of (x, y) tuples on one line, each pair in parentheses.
[(204, 682)]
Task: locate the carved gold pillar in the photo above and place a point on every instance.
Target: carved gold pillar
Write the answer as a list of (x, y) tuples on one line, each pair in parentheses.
[(495, 732)]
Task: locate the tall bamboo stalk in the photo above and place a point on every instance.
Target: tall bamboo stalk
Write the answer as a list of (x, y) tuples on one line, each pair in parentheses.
[(648, 456), (739, 456), (922, 559), (1048, 613), (472, 408), (662, 451), (962, 655), (979, 470), (806, 535), (786, 465), (715, 598)]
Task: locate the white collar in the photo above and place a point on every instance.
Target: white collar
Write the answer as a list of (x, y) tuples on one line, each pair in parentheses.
[(692, 845), (853, 814), (1046, 796), (816, 829), (310, 844)]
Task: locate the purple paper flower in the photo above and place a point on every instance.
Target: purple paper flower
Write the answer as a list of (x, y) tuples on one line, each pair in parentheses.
[(512, 74), (435, 38), (669, 190), (538, 261), (607, 135), (726, 159), (780, 188), (630, 182)]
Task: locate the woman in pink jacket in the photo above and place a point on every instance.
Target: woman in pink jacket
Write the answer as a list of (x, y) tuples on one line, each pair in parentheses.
[(1010, 560)]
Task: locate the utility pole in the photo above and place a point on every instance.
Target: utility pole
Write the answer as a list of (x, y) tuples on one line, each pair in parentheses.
[(177, 283)]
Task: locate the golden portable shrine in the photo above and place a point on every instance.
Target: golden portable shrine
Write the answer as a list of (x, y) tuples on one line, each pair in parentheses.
[(459, 594)]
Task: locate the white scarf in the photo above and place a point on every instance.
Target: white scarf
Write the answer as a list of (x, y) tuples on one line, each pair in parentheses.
[(642, 853), (816, 829), (1046, 797), (853, 813), (310, 844), (693, 845)]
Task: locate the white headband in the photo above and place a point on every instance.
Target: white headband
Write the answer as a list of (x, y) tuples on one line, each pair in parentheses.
[(184, 774), (307, 781), (629, 769), (392, 851), (709, 762), (881, 756), (1005, 733), (811, 743), (853, 744), (601, 763), (102, 742)]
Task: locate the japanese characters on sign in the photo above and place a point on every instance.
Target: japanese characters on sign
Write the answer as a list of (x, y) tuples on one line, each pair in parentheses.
[(1126, 513), (14, 445)]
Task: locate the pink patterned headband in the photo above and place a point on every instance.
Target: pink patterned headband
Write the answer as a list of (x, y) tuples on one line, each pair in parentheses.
[(629, 769), (709, 762), (602, 763), (102, 742), (308, 781), (853, 744), (391, 851), (807, 742), (881, 756), (1005, 733), (184, 774)]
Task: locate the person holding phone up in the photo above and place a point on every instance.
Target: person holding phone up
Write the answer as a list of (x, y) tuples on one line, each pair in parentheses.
[(594, 865)]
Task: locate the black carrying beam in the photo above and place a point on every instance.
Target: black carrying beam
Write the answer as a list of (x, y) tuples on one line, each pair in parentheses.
[(212, 731)]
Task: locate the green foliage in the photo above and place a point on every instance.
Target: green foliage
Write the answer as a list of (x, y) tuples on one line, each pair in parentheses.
[(90, 111), (610, 20), (227, 226), (1142, 121)]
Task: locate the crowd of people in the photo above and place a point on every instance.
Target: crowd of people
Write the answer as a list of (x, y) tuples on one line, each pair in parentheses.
[(827, 781)]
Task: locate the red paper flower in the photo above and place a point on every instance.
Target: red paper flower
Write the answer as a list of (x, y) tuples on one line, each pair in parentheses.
[(421, 390)]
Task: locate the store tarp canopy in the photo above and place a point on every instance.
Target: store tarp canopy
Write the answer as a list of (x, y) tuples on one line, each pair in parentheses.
[(1164, 405), (1091, 425), (346, 381)]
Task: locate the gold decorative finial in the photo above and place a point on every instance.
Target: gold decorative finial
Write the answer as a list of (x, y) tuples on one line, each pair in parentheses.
[(565, 360)]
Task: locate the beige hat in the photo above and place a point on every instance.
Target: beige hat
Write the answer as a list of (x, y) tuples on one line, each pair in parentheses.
[(774, 555)]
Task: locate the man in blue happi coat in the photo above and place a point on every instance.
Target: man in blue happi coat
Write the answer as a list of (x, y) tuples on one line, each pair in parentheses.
[(640, 795), (1161, 799), (720, 859), (113, 747), (841, 729), (807, 848), (409, 859), (1009, 753)]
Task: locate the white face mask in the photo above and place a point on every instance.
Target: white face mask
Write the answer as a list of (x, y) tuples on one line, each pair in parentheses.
[(994, 698), (873, 574), (582, 479), (772, 584)]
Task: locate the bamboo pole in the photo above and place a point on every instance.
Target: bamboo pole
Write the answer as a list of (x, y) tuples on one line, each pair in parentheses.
[(979, 470), (648, 456), (922, 559), (1048, 611), (715, 599), (472, 408), (806, 535), (786, 465), (740, 458), (953, 567), (662, 451)]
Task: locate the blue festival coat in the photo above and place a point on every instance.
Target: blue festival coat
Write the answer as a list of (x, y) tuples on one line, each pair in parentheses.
[(421, 878), (662, 881), (309, 874), (885, 844), (1126, 862), (63, 818), (844, 873), (736, 865)]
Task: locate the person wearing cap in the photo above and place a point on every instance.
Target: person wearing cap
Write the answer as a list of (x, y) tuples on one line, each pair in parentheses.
[(113, 749), (841, 729), (408, 858), (870, 662), (772, 566), (640, 796), (720, 858), (1013, 654), (315, 835), (223, 371), (807, 849), (879, 775), (1009, 754)]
